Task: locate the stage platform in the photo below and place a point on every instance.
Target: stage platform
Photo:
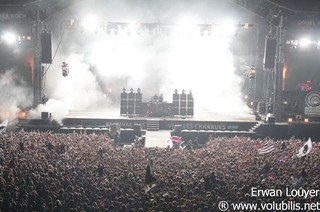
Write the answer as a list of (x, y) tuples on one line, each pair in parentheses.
[(114, 113), (201, 121), (156, 128)]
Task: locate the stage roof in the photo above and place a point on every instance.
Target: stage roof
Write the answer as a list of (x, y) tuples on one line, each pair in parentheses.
[(293, 5)]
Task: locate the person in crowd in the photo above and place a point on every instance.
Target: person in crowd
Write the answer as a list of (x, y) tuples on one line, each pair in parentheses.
[(45, 177)]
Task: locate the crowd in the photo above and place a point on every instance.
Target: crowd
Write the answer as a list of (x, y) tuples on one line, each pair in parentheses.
[(45, 171)]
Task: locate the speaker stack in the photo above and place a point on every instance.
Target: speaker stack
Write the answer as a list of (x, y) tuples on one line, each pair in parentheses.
[(44, 115), (46, 47), (131, 103), (270, 53), (183, 104)]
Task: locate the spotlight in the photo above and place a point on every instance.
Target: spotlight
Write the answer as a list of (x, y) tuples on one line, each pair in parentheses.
[(228, 28), (247, 26), (71, 22), (306, 120), (186, 26), (9, 38), (305, 42), (290, 119), (22, 114), (90, 23)]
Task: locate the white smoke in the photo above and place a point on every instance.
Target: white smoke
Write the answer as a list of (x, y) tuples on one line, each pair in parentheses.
[(14, 95), (79, 90), (101, 65)]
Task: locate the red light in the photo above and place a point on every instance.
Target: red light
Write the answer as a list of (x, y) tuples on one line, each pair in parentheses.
[(71, 22)]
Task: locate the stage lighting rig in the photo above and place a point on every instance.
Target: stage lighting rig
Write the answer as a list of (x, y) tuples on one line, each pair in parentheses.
[(12, 39), (303, 43), (91, 23)]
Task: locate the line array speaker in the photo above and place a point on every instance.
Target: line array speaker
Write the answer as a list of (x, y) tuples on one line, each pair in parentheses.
[(270, 53), (46, 47)]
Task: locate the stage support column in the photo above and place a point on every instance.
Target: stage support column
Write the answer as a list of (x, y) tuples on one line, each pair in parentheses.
[(37, 80), (279, 73)]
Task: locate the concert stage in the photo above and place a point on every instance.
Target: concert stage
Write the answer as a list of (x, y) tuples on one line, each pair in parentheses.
[(189, 128)]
